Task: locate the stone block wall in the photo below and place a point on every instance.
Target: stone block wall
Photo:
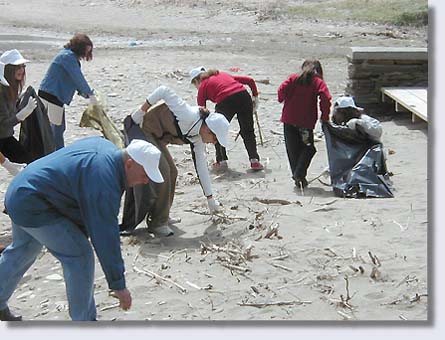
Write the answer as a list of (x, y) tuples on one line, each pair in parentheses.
[(371, 68)]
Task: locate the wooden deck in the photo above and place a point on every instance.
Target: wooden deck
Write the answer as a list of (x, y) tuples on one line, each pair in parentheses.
[(412, 99)]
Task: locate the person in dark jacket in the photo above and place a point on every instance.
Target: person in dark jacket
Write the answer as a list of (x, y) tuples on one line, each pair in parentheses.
[(63, 78), (62, 200), (300, 94), (12, 82)]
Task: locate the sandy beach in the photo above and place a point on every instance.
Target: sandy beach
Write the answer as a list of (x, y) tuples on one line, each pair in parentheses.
[(276, 253)]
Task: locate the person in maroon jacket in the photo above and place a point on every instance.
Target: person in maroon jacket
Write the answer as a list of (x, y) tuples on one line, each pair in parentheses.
[(231, 98), (300, 93)]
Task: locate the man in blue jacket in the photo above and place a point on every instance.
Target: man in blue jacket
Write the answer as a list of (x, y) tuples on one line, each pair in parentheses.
[(61, 200)]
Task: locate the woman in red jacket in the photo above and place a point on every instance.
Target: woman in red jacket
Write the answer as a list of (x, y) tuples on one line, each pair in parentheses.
[(231, 98), (300, 93)]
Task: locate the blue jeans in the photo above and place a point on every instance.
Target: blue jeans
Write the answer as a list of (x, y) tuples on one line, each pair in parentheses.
[(58, 131), (65, 241)]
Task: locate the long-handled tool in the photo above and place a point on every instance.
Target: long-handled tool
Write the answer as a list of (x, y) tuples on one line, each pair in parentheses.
[(259, 129)]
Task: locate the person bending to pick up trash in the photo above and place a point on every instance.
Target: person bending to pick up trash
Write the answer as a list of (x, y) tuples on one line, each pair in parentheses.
[(62, 79), (231, 98), (68, 201), (175, 122)]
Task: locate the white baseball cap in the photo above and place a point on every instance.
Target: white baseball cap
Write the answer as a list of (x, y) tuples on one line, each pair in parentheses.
[(147, 155), (196, 72), (346, 101), (13, 57), (2, 75), (219, 125)]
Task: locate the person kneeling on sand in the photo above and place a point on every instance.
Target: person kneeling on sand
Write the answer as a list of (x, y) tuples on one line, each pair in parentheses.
[(348, 114), (60, 201), (175, 122)]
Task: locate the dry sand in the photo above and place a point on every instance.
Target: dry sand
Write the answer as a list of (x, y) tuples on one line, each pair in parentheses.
[(305, 271)]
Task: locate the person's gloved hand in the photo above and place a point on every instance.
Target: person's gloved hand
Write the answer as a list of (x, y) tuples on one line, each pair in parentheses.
[(255, 102), (352, 123), (214, 205), (93, 100), (138, 116), (12, 168), (27, 110)]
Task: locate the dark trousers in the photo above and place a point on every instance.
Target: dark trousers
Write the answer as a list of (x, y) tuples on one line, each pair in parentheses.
[(300, 149), (239, 104), (14, 151)]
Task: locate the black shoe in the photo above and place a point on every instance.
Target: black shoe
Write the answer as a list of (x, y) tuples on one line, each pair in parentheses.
[(301, 182), (6, 315)]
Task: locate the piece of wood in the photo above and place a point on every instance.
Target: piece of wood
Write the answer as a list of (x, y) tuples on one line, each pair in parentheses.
[(412, 99)]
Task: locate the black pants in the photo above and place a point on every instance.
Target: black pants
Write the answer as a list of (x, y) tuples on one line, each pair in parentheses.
[(14, 151), (240, 104), (300, 149)]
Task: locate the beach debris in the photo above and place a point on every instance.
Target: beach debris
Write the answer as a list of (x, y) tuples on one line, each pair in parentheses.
[(280, 257), (344, 315), (407, 279), (375, 260), (176, 74), (276, 133), (232, 255), (281, 266), (375, 274), (263, 81), (115, 305), (275, 303), (276, 201), (159, 278), (402, 228), (406, 298), (272, 230), (191, 284)]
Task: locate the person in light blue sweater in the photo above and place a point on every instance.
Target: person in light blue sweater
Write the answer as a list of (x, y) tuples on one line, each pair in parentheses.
[(63, 78), (68, 201)]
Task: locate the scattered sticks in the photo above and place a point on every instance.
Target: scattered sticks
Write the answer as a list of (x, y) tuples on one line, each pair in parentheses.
[(159, 277)]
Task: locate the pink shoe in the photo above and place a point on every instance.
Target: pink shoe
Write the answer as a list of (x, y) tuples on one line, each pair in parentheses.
[(256, 165), (220, 165)]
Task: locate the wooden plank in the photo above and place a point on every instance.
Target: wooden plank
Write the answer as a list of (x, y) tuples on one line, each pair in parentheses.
[(414, 100)]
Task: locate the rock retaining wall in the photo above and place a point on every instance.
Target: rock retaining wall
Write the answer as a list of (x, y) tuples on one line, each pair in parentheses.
[(371, 68)]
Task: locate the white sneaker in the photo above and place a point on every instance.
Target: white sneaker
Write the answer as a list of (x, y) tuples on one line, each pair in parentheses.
[(163, 231)]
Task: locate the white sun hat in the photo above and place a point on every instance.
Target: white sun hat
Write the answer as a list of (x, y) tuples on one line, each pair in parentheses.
[(147, 155), (196, 72), (13, 57), (219, 125), (346, 101), (2, 75)]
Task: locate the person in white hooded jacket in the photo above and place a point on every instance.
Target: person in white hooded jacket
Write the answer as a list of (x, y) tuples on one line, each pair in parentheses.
[(177, 122), (347, 113)]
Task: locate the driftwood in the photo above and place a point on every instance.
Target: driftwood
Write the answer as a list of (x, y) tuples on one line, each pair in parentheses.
[(159, 277), (276, 201), (280, 266), (277, 303), (234, 267)]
